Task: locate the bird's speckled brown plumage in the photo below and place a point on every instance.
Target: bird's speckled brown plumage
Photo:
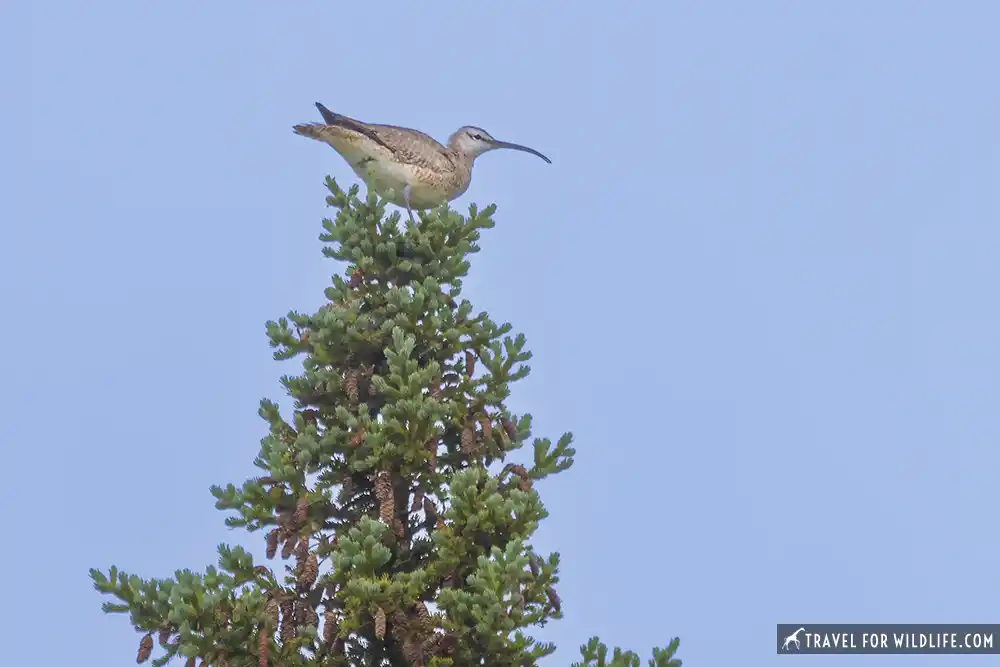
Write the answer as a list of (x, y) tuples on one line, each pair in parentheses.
[(389, 158)]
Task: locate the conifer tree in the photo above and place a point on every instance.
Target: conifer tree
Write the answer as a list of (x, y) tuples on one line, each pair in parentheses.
[(397, 530)]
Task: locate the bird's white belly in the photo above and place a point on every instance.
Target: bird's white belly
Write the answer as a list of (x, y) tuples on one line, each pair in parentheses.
[(387, 178)]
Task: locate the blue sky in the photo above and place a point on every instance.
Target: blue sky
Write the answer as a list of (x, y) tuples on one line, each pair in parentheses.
[(759, 280)]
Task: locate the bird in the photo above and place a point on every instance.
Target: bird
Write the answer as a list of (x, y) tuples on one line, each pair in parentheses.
[(406, 167)]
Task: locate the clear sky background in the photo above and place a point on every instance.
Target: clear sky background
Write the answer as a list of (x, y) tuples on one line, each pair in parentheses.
[(760, 280)]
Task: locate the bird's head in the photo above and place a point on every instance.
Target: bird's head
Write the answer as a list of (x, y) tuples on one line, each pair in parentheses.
[(474, 141)]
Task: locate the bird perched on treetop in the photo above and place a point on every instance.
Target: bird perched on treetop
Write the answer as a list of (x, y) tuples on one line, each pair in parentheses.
[(406, 167)]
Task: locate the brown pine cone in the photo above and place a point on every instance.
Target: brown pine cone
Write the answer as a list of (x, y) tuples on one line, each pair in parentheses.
[(347, 485), (272, 543), (418, 499), (287, 620), (553, 598), (263, 646), (470, 362), (509, 427), (468, 439), (383, 492), (145, 649), (330, 626), (487, 427), (533, 562), (273, 616), (380, 623), (191, 661), (302, 549), (357, 438), (288, 548), (413, 651), (301, 511), (308, 570), (310, 617), (351, 385), (165, 635), (430, 510), (524, 481), (356, 277), (383, 486)]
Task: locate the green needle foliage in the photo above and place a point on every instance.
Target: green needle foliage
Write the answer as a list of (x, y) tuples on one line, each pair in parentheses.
[(388, 491)]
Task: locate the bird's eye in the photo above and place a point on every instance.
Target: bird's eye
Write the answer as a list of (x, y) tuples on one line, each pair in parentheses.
[(477, 136)]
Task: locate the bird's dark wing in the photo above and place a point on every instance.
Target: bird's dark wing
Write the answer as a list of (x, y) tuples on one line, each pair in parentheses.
[(400, 141), (331, 118)]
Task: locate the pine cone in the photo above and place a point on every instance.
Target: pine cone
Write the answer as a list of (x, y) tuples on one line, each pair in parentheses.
[(423, 616), (533, 562), (413, 651), (356, 277), (302, 549), (165, 635), (263, 645), (553, 598), (330, 626), (357, 438), (145, 649), (190, 661), (383, 485), (441, 645), (487, 427), (272, 543), (308, 570), (509, 427), (351, 385), (380, 623), (310, 416), (369, 373), (524, 481), (430, 510), (274, 619), (470, 362), (287, 620), (311, 618), (418, 500), (301, 511), (468, 439), (288, 548)]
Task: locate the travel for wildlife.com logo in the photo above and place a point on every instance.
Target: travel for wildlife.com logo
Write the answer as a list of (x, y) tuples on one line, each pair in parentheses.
[(888, 638)]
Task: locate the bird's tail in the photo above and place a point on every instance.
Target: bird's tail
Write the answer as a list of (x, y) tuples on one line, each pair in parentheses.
[(311, 130), (320, 131)]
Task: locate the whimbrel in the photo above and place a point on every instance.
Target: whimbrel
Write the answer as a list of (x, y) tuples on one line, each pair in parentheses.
[(406, 167)]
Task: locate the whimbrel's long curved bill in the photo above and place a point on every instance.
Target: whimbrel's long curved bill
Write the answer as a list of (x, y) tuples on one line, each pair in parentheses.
[(519, 147)]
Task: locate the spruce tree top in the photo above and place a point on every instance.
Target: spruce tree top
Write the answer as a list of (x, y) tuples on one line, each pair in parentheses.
[(389, 487)]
